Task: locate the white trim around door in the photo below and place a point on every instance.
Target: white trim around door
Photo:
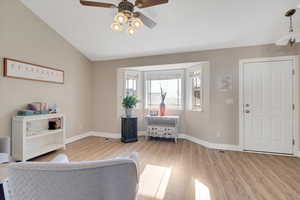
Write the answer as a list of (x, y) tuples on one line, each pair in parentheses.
[(295, 61)]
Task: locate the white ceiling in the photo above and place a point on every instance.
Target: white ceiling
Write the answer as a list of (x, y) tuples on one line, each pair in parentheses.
[(183, 25)]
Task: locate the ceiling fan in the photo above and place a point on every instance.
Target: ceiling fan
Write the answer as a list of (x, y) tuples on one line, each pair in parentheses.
[(291, 38), (127, 14)]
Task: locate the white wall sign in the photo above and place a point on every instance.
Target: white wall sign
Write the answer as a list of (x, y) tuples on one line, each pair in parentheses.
[(22, 70), (224, 83)]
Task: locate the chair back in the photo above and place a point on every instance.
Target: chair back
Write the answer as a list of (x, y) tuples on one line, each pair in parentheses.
[(115, 179)]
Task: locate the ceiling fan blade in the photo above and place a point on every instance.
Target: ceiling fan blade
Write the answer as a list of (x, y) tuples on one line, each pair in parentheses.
[(98, 4), (149, 3), (146, 20)]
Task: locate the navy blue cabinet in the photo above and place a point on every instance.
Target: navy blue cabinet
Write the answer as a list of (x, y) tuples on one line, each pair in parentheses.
[(129, 129)]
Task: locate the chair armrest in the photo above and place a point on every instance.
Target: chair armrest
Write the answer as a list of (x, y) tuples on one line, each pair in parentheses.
[(61, 158), (134, 156)]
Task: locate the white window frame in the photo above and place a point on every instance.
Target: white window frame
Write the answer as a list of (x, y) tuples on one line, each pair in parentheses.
[(205, 79), (131, 75), (121, 89), (176, 72), (197, 74)]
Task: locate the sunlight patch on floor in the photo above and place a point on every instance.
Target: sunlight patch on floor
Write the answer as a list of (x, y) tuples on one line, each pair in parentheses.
[(154, 181), (201, 191)]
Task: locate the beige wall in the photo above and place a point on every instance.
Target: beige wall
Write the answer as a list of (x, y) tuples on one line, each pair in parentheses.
[(25, 37), (219, 124)]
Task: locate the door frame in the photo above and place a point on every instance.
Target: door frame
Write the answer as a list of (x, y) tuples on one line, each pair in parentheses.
[(295, 60)]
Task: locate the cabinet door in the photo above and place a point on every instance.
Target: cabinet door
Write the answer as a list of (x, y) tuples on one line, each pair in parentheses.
[(129, 128)]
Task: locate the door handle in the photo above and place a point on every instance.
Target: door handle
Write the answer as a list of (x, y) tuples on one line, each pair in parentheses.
[(247, 111)]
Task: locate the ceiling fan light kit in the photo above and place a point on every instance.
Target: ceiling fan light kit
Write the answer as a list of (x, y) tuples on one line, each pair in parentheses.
[(126, 18), (116, 27), (121, 18), (126, 15)]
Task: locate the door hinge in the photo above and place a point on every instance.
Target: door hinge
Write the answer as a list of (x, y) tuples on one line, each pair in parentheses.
[(293, 71), (293, 142), (293, 106)]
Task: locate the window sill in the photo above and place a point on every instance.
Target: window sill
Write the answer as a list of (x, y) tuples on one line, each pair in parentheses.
[(196, 110), (172, 109)]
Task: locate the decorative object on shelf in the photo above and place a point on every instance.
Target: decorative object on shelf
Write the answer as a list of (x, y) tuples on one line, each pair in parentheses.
[(162, 107), (129, 129), (35, 108), (153, 112), (127, 15), (162, 126), (129, 102), (38, 107), (53, 109), (55, 124), (25, 112), (28, 71)]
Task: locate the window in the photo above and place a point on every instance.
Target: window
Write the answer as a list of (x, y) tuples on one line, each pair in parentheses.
[(196, 90), (131, 79), (170, 82)]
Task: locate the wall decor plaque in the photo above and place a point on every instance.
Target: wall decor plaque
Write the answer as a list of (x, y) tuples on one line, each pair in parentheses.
[(28, 71)]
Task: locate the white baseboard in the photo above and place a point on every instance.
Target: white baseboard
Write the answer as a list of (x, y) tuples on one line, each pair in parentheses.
[(143, 133), (211, 145), (78, 137), (111, 135), (105, 135)]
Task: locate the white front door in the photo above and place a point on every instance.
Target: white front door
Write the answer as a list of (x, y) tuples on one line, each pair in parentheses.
[(268, 106)]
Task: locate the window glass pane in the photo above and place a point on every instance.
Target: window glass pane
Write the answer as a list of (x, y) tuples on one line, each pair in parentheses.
[(196, 90), (171, 86), (130, 86)]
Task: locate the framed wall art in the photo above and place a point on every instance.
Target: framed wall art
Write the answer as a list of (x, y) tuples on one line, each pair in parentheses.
[(28, 71)]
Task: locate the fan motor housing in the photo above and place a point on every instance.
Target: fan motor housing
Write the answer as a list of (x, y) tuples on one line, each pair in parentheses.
[(126, 6)]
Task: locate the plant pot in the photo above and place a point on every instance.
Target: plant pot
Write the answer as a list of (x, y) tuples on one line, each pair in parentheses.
[(162, 109), (128, 112)]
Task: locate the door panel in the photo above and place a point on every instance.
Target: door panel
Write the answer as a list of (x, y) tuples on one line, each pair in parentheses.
[(268, 100)]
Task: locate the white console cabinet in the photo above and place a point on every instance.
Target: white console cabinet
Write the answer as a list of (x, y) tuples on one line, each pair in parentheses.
[(31, 137), (162, 126)]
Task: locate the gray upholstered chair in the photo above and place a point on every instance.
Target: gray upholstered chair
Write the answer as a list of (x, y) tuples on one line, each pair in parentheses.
[(5, 150), (115, 179)]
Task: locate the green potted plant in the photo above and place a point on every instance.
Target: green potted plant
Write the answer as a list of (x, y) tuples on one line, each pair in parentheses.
[(129, 102)]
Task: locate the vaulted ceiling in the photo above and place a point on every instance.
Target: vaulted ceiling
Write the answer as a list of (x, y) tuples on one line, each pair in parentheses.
[(183, 25)]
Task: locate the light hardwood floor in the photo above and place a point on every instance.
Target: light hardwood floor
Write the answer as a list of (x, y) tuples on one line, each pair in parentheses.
[(188, 171)]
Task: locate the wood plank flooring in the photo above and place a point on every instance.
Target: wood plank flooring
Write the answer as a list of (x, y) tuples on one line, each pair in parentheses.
[(188, 171)]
